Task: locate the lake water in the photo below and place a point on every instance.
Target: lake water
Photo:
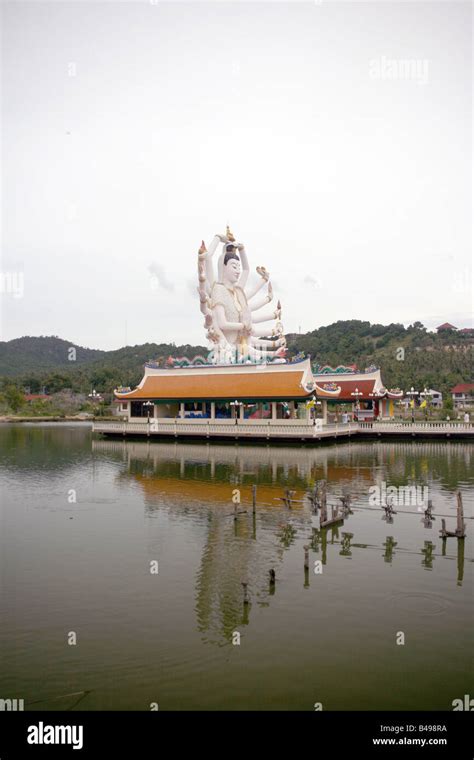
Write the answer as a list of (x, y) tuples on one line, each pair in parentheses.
[(83, 567)]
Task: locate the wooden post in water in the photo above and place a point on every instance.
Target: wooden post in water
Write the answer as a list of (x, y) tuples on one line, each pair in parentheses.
[(461, 526), (460, 561), (460, 531), (254, 498), (346, 544), (323, 494), (246, 593), (235, 511), (346, 504), (306, 557), (313, 496), (428, 516)]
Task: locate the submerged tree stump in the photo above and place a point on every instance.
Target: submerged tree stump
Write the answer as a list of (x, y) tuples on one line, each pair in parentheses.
[(460, 531)]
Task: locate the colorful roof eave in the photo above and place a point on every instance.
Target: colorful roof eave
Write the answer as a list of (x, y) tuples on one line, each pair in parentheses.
[(325, 393), (199, 399), (256, 387)]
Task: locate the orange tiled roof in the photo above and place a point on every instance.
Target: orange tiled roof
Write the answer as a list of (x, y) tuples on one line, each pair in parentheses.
[(238, 385)]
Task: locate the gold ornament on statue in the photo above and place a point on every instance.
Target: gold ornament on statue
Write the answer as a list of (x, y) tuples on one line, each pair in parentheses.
[(229, 235)]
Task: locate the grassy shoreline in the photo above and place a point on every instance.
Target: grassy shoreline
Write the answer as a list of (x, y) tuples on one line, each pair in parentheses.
[(52, 418)]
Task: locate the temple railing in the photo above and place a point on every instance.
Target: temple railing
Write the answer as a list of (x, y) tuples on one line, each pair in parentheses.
[(304, 429), (224, 427), (434, 426)]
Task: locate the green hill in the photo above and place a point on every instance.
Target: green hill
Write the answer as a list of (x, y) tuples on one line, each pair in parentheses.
[(43, 362), (41, 353), (407, 356)]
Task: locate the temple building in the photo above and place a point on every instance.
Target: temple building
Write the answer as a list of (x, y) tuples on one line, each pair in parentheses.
[(246, 386), (362, 392), (245, 392), (274, 392)]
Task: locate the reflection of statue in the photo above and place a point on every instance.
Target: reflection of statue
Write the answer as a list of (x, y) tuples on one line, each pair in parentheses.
[(229, 308)]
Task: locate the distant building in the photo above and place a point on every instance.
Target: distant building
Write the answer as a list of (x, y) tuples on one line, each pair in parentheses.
[(445, 326), (95, 397), (463, 394), (436, 398), (120, 408), (30, 397)]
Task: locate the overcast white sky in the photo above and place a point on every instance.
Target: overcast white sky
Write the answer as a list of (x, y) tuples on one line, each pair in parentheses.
[(133, 130)]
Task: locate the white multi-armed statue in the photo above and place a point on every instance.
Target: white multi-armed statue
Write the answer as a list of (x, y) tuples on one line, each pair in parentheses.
[(231, 309)]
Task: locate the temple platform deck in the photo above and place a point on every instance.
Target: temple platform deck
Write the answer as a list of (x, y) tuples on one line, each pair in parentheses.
[(293, 430)]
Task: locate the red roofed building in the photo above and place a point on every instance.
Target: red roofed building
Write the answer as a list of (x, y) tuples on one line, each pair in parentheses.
[(366, 392), (445, 326), (278, 391), (463, 394), (29, 397)]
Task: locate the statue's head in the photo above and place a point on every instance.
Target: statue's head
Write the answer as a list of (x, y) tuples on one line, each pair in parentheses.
[(232, 268)]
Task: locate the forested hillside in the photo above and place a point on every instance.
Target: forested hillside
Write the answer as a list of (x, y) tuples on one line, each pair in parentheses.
[(408, 356)]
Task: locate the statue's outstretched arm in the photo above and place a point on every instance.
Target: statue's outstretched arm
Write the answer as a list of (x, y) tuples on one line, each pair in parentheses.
[(268, 317), (263, 318), (210, 276), (253, 292), (202, 284), (265, 276), (245, 265), (266, 332), (262, 301)]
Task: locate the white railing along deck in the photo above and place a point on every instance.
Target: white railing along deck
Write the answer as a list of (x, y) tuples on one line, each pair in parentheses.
[(275, 428), (228, 428), (436, 426)]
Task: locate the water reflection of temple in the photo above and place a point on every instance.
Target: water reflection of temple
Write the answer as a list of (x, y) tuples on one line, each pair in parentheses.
[(180, 478), (400, 462)]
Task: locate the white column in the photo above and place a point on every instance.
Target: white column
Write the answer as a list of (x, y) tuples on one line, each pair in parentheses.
[(181, 409), (241, 412), (274, 410), (325, 411), (213, 410)]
